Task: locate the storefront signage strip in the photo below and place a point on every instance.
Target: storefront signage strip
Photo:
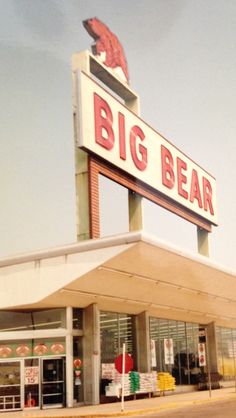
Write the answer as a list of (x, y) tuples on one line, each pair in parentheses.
[(111, 131), (34, 349)]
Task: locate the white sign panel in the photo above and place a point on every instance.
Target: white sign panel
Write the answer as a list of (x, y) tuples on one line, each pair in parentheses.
[(111, 131), (169, 351), (153, 353), (108, 371)]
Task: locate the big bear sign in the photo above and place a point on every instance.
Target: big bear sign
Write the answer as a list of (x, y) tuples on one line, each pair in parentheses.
[(111, 131)]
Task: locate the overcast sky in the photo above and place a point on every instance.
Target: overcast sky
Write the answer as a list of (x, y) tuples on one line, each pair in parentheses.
[(182, 59)]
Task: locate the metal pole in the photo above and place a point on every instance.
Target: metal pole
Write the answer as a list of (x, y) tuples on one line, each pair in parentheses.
[(208, 363), (123, 380)]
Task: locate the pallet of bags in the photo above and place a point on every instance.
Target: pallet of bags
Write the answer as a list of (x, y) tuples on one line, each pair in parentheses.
[(147, 382), (113, 389), (134, 382), (118, 380), (165, 382)]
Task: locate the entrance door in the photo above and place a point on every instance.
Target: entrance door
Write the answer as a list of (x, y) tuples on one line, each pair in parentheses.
[(31, 383), (53, 383), (10, 385)]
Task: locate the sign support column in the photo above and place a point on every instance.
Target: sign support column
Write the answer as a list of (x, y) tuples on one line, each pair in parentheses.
[(203, 241), (135, 200), (80, 61)]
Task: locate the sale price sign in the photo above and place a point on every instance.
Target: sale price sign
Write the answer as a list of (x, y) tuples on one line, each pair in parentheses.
[(31, 375)]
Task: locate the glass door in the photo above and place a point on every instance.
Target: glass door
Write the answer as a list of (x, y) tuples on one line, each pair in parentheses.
[(10, 385), (31, 383), (53, 383)]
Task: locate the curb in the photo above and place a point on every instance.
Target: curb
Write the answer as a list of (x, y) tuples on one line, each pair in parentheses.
[(169, 406)]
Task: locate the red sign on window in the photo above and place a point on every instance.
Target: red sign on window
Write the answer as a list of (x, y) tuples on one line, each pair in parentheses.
[(129, 363)]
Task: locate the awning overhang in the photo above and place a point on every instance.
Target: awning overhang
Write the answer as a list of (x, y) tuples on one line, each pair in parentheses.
[(130, 273)]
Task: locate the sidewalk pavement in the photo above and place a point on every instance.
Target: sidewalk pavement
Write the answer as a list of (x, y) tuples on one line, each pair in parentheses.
[(136, 407)]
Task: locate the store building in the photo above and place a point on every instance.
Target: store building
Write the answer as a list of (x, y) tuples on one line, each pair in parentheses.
[(66, 312)]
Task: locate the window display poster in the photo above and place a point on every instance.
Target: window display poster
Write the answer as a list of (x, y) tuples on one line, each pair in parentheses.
[(169, 351), (31, 375), (202, 354), (108, 371), (153, 354)]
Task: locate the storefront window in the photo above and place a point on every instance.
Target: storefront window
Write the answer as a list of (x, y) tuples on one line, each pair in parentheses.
[(180, 369), (226, 347), (183, 338), (116, 329), (77, 318), (10, 375), (32, 320), (192, 333)]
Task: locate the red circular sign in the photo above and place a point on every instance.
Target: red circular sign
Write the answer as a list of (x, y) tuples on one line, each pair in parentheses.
[(129, 363), (77, 363)]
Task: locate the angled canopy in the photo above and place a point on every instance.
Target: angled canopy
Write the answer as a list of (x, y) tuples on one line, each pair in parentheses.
[(127, 273)]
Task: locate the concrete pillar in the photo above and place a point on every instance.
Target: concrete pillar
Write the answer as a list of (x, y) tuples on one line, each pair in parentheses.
[(143, 343), (69, 358), (80, 61), (212, 346), (203, 242), (82, 195), (135, 212), (135, 201), (91, 351)]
